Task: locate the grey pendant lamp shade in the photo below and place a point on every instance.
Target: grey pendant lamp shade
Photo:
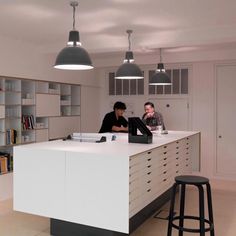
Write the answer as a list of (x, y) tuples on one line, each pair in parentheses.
[(129, 70), (73, 56), (160, 77)]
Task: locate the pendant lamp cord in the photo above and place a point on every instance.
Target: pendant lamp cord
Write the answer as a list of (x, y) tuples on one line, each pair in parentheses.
[(73, 17), (160, 56), (129, 40), (74, 4)]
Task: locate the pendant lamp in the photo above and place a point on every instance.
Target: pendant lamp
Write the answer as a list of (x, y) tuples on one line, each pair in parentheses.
[(129, 70), (160, 77), (73, 56)]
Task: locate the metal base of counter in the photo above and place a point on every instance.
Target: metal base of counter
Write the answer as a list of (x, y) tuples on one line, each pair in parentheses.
[(64, 228)]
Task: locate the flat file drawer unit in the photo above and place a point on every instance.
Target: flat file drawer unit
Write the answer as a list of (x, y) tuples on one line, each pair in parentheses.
[(153, 172)]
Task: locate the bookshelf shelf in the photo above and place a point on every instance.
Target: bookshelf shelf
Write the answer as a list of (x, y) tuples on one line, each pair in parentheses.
[(12, 117), (12, 91), (40, 128)]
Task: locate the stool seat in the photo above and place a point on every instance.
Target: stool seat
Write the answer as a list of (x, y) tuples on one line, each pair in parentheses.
[(191, 180)]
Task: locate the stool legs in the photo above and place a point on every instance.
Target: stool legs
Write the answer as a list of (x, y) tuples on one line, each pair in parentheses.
[(205, 225), (181, 212), (210, 211), (201, 211), (172, 207)]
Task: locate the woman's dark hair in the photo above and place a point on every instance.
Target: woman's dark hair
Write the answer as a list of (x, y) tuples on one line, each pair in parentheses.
[(149, 103), (119, 105)]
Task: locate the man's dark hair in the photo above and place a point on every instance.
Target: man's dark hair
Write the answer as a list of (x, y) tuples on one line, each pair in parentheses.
[(119, 105), (150, 104)]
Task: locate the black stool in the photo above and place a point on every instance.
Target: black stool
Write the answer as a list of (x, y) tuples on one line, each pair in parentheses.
[(199, 182)]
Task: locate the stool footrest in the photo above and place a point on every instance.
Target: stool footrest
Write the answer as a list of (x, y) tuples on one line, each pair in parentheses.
[(189, 229)]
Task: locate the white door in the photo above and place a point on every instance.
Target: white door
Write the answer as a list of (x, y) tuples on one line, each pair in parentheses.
[(226, 114), (175, 113)]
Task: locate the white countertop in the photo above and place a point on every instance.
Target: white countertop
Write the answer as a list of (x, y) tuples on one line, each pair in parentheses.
[(120, 145)]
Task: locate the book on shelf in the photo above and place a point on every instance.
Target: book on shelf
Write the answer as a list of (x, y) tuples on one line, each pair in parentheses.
[(28, 122), (11, 135), (6, 162), (3, 165)]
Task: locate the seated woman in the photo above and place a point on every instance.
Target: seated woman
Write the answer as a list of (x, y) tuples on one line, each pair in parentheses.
[(114, 121)]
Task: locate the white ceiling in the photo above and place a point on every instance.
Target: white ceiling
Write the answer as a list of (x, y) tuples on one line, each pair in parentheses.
[(102, 23)]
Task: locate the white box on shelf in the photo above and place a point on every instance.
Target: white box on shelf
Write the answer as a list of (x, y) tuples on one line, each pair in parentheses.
[(40, 125), (27, 101), (65, 102), (53, 91)]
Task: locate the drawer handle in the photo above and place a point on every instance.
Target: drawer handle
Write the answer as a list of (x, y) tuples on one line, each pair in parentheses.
[(165, 146), (149, 159), (177, 142), (187, 143), (164, 180), (165, 159), (149, 190), (177, 147), (164, 153), (187, 148), (165, 164), (149, 152), (187, 138), (177, 158), (164, 172), (187, 165), (177, 171), (149, 166), (149, 173), (177, 153), (177, 164), (187, 153), (187, 159), (149, 181)]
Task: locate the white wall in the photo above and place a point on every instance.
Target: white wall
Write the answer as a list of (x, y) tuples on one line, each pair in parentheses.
[(25, 60), (18, 59), (202, 93)]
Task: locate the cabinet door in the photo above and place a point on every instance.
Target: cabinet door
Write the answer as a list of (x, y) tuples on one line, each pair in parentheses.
[(47, 105), (39, 181), (62, 126), (226, 112), (42, 135)]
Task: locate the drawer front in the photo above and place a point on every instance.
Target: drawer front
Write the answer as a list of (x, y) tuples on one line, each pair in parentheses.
[(153, 172)]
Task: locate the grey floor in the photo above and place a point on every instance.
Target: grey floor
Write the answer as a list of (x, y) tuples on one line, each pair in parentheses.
[(224, 204)]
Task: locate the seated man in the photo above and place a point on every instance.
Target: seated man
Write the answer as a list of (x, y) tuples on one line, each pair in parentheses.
[(114, 121), (151, 118)]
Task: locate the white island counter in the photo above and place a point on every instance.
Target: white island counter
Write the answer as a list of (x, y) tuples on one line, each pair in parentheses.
[(103, 185)]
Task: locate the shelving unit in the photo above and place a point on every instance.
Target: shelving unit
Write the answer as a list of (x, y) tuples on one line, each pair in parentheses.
[(75, 100), (28, 111), (36, 111), (53, 88), (12, 111), (41, 87), (2, 111), (65, 100)]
